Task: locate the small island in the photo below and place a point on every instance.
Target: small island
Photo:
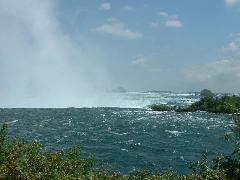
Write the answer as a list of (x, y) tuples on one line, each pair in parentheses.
[(208, 102)]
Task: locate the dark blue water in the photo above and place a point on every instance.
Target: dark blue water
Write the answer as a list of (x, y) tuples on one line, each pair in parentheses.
[(125, 138)]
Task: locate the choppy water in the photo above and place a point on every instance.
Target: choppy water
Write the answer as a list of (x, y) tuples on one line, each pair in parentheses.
[(127, 138)]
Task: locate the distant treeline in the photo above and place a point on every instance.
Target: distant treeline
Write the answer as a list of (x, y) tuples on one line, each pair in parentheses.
[(208, 102)]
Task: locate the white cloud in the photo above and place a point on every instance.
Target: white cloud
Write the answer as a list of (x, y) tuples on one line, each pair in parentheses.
[(215, 70), (235, 35), (163, 14), (171, 21), (154, 24), (105, 6), (139, 61), (232, 3), (174, 23), (231, 47), (116, 28), (128, 8), (220, 76)]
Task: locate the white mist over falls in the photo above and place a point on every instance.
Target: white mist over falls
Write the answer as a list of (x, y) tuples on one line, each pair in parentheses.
[(43, 66)]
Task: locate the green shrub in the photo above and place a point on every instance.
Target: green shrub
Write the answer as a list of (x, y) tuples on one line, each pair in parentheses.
[(3, 143), (224, 104), (162, 107), (23, 160)]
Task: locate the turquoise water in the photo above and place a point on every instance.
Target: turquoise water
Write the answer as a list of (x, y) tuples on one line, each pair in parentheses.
[(127, 138)]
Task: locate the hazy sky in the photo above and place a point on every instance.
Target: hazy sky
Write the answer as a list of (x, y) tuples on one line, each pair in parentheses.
[(79, 47)]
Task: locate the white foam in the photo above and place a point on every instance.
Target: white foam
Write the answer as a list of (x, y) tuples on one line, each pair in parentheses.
[(13, 122), (175, 133)]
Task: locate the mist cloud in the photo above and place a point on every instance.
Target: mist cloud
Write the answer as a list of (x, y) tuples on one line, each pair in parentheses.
[(222, 75), (39, 64)]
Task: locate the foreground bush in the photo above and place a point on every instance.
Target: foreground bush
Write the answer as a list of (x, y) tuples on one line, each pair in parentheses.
[(22, 160)]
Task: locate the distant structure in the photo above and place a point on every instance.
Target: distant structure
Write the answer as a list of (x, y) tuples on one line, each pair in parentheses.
[(206, 93), (119, 90)]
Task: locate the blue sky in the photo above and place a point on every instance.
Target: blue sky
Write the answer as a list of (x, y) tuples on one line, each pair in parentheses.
[(74, 47), (144, 39)]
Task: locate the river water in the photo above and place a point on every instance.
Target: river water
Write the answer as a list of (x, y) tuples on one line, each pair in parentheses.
[(126, 134)]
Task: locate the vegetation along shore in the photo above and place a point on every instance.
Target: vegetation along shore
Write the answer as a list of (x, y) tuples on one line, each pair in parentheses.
[(208, 102)]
